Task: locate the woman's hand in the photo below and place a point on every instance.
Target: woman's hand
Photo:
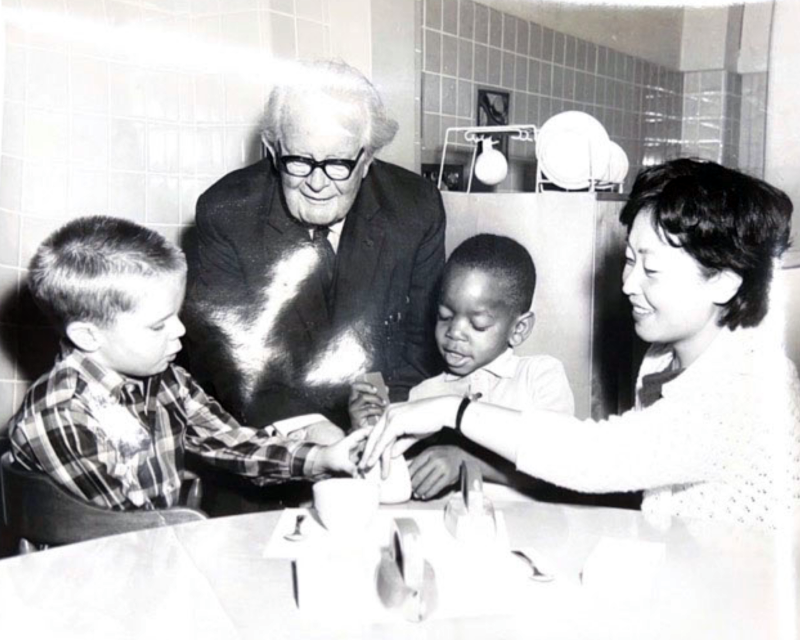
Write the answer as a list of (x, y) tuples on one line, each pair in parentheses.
[(365, 405), (404, 424)]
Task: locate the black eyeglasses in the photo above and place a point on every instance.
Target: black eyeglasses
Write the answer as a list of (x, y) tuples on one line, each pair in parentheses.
[(334, 168)]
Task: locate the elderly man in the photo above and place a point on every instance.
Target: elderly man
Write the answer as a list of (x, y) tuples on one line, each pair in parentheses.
[(318, 263)]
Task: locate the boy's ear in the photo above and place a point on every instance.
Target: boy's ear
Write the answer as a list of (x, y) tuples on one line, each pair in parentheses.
[(83, 335), (522, 329)]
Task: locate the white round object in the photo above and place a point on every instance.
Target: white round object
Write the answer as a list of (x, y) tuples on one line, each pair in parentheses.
[(346, 505), (618, 165), (491, 167), (573, 148)]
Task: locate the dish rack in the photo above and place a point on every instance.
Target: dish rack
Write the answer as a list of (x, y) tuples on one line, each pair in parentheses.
[(524, 133)]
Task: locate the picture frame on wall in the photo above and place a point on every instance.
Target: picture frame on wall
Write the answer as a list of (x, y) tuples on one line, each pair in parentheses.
[(452, 179), (494, 110)]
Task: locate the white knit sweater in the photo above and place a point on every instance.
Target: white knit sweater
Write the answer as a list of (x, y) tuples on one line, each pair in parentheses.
[(723, 443)]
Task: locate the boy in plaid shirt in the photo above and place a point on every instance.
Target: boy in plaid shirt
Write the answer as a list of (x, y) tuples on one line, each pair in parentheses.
[(112, 419)]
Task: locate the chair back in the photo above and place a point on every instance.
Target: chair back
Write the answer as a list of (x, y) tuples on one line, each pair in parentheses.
[(38, 510)]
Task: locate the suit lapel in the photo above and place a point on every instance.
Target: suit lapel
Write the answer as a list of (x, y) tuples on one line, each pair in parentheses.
[(360, 248)]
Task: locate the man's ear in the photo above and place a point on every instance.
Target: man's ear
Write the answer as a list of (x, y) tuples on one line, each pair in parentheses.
[(522, 329), (366, 164), (726, 285), (83, 335), (270, 150)]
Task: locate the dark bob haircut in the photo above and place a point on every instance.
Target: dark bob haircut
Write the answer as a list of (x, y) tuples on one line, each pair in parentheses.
[(505, 259), (724, 219)]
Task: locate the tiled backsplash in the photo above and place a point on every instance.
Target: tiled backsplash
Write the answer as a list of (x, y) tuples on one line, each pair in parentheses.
[(467, 46), (712, 103), (753, 123)]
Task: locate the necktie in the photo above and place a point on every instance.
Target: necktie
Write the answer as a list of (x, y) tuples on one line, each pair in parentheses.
[(327, 258)]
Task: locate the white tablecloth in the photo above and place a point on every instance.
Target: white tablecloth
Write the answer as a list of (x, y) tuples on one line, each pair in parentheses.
[(213, 580)]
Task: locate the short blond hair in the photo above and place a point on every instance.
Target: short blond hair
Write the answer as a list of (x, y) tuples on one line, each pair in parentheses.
[(77, 272)]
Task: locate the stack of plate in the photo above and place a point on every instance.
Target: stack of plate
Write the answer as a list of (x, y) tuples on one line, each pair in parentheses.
[(617, 165), (573, 149)]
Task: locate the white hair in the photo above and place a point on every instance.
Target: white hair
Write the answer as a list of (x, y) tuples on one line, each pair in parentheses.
[(334, 78)]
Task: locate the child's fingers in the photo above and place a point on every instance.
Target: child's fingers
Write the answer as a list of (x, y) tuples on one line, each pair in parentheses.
[(421, 474), (418, 462), (349, 468), (436, 486), (357, 439), (366, 399), (361, 387), (432, 484), (369, 411), (356, 452)]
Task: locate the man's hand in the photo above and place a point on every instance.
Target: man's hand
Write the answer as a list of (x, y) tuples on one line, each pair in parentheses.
[(342, 456), (366, 406), (436, 469)]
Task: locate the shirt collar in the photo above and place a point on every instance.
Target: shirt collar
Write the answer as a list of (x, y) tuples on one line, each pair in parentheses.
[(503, 366), (725, 354), (336, 227), (97, 374)]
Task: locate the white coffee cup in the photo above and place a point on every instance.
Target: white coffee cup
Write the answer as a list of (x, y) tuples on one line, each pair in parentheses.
[(346, 505)]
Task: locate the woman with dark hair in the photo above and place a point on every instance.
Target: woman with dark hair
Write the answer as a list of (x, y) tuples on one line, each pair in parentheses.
[(716, 430)]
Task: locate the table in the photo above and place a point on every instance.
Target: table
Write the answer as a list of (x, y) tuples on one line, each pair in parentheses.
[(211, 580)]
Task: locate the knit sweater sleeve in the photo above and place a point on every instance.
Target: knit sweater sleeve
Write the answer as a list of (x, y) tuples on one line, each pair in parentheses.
[(654, 447)]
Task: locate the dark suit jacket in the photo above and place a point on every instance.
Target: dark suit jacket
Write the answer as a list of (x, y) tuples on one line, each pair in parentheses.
[(258, 331)]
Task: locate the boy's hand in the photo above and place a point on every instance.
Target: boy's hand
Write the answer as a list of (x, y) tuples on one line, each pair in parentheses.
[(323, 432), (342, 456), (366, 405), (435, 469)]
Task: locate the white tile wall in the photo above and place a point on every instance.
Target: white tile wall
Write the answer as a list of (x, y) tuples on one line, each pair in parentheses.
[(712, 116), (467, 46), (753, 123), (101, 119)]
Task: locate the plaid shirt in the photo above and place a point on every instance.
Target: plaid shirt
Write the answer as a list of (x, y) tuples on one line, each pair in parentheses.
[(119, 442)]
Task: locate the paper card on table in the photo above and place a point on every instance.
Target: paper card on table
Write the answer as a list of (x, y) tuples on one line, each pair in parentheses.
[(289, 425), (623, 567)]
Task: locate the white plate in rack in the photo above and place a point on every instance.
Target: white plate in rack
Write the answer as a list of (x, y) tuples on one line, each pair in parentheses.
[(572, 149), (618, 165)]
